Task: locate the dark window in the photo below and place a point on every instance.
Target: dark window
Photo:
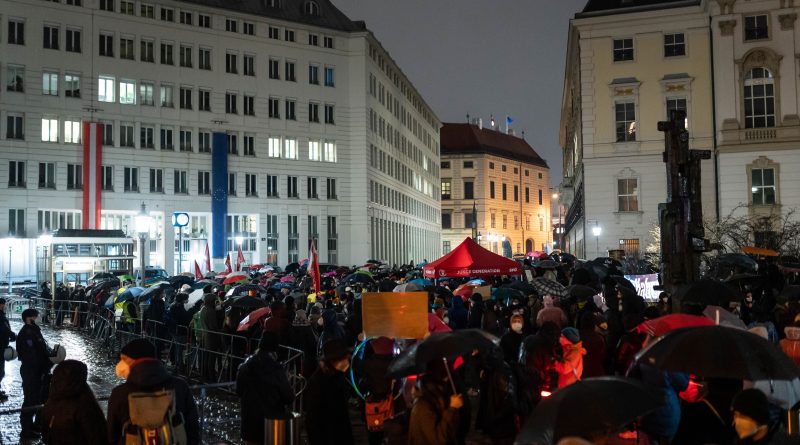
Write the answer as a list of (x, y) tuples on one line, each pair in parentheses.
[(623, 50), (445, 164), (491, 189), (540, 197), (756, 27), (626, 121), (674, 45), (469, 190), (468, 164), (504, 193), (447, 220)]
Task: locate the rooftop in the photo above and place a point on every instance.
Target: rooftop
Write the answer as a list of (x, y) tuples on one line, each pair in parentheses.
[(470, 139), (326, 15), (609, 7)]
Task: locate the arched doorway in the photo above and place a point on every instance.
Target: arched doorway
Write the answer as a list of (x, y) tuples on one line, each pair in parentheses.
[(528, 245), (507, 248)]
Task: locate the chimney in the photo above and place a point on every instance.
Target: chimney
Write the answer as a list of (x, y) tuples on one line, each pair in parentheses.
[(480, 123), (511, 131)]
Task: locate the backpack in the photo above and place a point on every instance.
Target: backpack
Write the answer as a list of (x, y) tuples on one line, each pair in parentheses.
[(154, 420), (378, 412)]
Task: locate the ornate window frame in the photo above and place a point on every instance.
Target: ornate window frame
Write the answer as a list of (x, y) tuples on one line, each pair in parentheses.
[(763, 162), (624, 90), (760, 58), (626, 173)]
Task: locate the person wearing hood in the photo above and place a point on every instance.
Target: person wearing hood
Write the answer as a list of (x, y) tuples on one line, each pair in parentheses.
[(511, 340), (144, 373), (570, 367), (475, 319), (33, 352), (551, 313), (331, 330), (327, 415), (71, 414), (264, 389), (752, 421)]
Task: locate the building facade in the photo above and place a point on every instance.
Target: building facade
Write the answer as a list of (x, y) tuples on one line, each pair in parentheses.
[(327, 139), (628, 63), (506, 182), (758, 128)]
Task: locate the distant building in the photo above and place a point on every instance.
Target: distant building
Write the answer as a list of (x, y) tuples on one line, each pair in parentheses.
[(326, 138), (758, 128), (504, 179), (628, 63)]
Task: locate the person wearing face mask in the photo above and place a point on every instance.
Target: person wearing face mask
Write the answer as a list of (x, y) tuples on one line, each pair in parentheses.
[(33, 352), (264, 389), (752, 421), (144, 373), (327, 414), (511, 340)]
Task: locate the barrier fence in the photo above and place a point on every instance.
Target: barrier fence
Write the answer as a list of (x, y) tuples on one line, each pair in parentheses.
[(209, 358)]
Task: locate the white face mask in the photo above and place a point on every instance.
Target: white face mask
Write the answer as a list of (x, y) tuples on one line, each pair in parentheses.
[(516, 327), (320, 321), (745, 426), (446, 320)]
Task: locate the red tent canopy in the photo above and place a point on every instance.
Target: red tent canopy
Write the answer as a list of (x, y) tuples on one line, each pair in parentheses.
[(471, 260)]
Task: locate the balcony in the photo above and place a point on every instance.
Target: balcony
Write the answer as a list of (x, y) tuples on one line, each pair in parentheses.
[(733, 135)]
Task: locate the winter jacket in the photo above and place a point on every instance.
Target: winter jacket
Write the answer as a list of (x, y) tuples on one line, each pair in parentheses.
[(664, 421), (476, 313), (459, 316), (278, 325), (595, 345), (212, 325), (551, 313), (71, 414), (570, 367), (6, 334), (32, 351), (791, 344), (509, 344), (150, 375), (327, 414), (432, 421), (178, 319), (538, 355), (498, 403), (265, 392), (331, 330)]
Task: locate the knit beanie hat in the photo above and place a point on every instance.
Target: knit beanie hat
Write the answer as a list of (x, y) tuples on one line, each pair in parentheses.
[(571, 334), (139, 348), (753, 404)]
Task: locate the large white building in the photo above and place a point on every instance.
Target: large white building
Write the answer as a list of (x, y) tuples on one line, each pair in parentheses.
[(756, 108), (327, 138)]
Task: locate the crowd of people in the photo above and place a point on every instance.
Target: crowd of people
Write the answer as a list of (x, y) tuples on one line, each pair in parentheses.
[(582, 324)]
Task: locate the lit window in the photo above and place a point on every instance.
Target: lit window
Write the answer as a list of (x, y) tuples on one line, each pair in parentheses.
[(72, 132), (49, 130), (274, 147), (313, 151), (127, 92), (763, 186), (105, 89), (290, 148), (329, 152)]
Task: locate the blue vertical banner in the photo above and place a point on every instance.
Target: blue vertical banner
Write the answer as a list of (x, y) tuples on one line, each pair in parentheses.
[(219, 194)]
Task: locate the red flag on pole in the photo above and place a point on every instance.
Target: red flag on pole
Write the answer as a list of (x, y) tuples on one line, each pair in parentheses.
[(197, 273), (239, 258), (208, 259), (313, 268), (92, 168), (228, 264)]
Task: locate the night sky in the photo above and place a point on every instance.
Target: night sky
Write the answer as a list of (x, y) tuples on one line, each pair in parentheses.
[(480, 57)]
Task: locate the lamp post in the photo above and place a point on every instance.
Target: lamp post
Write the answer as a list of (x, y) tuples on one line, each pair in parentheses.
[(596, 231), (143, 221)]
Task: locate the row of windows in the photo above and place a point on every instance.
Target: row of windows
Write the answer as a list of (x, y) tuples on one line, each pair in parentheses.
[(393, 136), (471, 164), (17, 178), (397, 200), (394, 106), (468, 191), (447, 221), (385, 163)]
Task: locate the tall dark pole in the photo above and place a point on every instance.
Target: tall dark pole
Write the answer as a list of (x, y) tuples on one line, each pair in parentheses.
[(474, 222)]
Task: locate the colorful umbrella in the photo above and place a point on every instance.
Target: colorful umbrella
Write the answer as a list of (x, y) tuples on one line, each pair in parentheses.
[(759, 251), (235, 277), (422, 282), (465, 290), (253, 318), (127, 277)]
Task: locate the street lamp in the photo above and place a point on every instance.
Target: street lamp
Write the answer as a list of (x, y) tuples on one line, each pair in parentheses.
[(596, 231), (45, 240), (143, 222)]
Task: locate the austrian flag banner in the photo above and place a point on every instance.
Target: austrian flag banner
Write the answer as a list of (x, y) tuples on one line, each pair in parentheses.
[(92, 165)]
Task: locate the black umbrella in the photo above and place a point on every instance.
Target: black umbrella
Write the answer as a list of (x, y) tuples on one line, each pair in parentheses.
[(102, 276), (523, 287), (242, 289), (292, 268), (707, 292), (790, 293), (386, 285), (152, 290), (545, 286), (246, 302), (582, 292), (592, 406), (744, 279), (179, 280), (719, 352), (448, 345), (738, 260), (545, 264), (622, 281)]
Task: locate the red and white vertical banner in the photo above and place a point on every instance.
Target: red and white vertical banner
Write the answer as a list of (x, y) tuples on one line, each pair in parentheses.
[(239, 258), (92, 165), (313, 269)]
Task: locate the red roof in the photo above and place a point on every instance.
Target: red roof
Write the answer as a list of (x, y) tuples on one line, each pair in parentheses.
[(471, 260), (467, 138)]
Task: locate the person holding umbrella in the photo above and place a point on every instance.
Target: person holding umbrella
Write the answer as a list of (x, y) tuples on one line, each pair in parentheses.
[(434, 415)]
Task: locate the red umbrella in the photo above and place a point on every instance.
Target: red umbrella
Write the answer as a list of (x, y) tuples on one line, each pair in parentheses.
[(235, 277), (253, 318), (661, 325), (287, 279), (465, 290)]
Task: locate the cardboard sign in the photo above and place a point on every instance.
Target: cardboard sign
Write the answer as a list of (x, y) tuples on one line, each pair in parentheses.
[(485, 291), (395, 314)]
